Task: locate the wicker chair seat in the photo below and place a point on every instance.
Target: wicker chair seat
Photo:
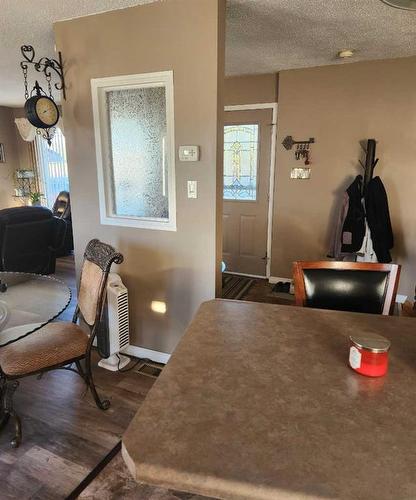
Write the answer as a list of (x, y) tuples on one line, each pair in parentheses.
[(52, 345)]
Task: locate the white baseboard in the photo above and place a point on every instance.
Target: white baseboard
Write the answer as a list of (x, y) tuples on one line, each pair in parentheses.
[(142, 352), (275, 279)]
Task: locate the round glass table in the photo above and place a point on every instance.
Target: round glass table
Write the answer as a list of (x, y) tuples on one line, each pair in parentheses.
[(28, 302)]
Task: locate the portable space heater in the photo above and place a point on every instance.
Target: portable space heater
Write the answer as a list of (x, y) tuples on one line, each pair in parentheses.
[(113, 334)]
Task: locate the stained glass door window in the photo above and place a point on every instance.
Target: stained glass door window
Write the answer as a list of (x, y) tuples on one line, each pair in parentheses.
[(241, 146)]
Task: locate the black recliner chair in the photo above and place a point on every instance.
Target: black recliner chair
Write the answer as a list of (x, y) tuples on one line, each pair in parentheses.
[(62, 209), (29, 239)]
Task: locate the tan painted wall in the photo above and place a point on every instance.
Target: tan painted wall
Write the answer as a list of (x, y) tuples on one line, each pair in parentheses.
[(176, 267), (8, 138), (251, 89), (341, 105)]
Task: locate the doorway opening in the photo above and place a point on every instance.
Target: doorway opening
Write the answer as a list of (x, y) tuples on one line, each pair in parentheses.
[(249, 164)]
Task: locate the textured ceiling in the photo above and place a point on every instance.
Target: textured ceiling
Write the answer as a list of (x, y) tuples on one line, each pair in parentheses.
[(29, 22), (263, 36), (270, 35)]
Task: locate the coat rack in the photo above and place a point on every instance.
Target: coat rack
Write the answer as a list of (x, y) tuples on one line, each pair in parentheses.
[(370, 162)]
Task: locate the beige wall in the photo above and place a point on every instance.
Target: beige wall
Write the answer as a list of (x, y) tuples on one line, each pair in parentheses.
[(175, 267), (251, 89), (9, 140), (339, 106)]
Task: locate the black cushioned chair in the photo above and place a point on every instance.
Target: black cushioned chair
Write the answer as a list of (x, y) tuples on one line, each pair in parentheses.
[(62, 209), (347, 286), (29, 238)]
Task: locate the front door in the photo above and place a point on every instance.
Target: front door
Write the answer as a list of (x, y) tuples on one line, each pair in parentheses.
[(247, 149)]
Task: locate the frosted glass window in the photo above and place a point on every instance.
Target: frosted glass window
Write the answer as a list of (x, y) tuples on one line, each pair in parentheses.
[(241, 144), (135, 159), (137, 130)]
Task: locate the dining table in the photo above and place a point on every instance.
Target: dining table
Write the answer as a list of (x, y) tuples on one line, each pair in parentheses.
[(258, 401), (28, 302)]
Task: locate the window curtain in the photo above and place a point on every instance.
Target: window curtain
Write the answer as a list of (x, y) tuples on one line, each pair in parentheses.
[(39, 157), (51, 166), (28, 132)]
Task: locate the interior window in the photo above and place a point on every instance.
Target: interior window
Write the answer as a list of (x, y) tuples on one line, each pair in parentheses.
[(136, 141), (133, 118)]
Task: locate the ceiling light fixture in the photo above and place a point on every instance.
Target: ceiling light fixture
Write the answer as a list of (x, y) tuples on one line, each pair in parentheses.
[(345, 54), (401, 4)]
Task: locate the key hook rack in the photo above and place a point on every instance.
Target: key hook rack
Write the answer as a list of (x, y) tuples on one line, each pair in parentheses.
[(289, 142), (302, 148)]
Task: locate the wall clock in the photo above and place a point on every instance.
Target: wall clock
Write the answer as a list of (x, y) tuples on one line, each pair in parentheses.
[(41, 109), (42, 112)]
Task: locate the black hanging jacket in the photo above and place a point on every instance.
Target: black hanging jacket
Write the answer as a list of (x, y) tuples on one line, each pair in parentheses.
[(353, 230), (378, 218)]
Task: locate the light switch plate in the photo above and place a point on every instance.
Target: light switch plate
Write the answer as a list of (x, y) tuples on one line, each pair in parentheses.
[(189, 153), (192, 189), (300, 173)]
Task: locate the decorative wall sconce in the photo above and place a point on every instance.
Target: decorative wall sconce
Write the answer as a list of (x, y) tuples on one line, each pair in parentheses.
[(45, 66), (41, 109), (302, 148)]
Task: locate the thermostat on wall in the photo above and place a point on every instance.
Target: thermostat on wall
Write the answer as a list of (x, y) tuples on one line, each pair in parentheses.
[(189, 153)]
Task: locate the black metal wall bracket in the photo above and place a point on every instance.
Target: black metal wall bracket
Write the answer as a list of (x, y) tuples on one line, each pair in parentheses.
[(44, 65), (289, 142)]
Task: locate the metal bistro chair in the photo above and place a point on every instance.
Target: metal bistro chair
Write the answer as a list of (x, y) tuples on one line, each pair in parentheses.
[(347, 286), (58, 345)]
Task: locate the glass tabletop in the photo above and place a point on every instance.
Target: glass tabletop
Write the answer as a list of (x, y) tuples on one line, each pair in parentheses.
[(28, 302)]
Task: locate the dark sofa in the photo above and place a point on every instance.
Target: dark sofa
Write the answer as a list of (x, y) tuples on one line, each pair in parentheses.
[(29, 239), (62, 209)]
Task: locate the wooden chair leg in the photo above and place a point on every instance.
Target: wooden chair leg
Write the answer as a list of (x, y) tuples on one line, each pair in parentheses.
[(15, 442), (9, 411), (80, 369), (102, 404), (4, 416)]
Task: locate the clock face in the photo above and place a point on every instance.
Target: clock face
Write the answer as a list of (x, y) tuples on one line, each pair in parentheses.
[(47, 111)]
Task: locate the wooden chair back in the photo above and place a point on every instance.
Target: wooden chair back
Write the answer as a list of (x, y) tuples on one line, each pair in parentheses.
[(98, 258), (346, 286)]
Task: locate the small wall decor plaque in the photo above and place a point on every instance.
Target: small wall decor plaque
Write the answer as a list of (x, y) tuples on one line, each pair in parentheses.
[(2, 155), (300, 173)]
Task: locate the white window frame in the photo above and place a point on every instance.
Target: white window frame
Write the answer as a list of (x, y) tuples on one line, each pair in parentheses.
[(99, 87)]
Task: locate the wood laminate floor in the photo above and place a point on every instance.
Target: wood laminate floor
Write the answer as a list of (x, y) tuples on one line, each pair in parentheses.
[(65, 435)]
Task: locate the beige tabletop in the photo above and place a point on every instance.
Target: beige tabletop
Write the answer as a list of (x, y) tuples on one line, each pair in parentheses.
[(258, 402)]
